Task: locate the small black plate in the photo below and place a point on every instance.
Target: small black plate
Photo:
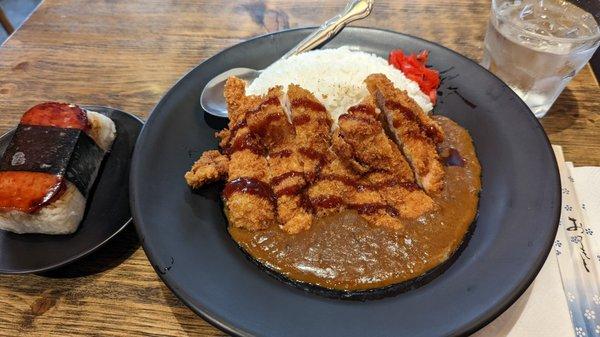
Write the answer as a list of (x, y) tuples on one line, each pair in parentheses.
[(107, 211), (185, 237)]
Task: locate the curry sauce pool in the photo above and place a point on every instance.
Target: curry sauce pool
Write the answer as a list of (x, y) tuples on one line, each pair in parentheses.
[(344, 252)]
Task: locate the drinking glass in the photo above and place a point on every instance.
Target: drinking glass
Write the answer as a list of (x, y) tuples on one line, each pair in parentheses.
[(538, 46)]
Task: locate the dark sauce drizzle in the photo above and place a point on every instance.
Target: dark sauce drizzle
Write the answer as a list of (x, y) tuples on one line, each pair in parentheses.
[(245, 142), (327, 201), (362, 108), (312, 154), (249, 186), (429, 130), (301, 120), (454, 90), (261, 129), (290, 190), (364, 119), (280, 178), (281, 154), (333, 201), (349, 181), (261, 189), (308, 104), (238, 125), (305, 202), (273, 100)]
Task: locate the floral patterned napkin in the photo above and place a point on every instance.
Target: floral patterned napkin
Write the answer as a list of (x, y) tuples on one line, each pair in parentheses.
[(577, 244), (568, 284)]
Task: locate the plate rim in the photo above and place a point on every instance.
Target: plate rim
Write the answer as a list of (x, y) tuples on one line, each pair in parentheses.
[(97, 246), (227, 327)]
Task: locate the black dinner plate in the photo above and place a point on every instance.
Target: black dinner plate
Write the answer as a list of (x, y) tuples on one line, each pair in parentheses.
[(184, 233), (107, 211)]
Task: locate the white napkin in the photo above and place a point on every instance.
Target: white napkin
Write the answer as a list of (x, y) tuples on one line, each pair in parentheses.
[(541, 311), (564, 300), (577, 257)]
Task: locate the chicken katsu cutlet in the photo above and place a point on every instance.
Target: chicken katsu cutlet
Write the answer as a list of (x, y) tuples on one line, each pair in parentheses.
[(327, 175), (249, 202), (289, 171), (312, 123), (386, 169), (415, 132), (334, 185), (287, 179), (210, 167)]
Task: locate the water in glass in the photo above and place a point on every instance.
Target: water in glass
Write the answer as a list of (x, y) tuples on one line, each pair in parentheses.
[(537, 46)]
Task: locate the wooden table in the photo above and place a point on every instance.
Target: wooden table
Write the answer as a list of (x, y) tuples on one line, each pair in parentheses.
[(126, 54)]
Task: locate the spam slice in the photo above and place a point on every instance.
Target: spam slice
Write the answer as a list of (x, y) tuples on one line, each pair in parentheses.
[(49, 167)]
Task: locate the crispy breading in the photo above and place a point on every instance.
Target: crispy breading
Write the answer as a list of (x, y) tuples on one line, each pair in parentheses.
[(388, 171), (270, 123), (415, 132), (294, 217), (268, 120), (210, 167), (245, 210), (369, 144), (289, 172), (312, 124), (346, 153), (339, 187), (333, 184), (244, 163), (224, 137), (238, 104), (329, 192), (365, 200), (406, 197)]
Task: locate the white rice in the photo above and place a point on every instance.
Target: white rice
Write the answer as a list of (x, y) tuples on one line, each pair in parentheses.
[(335, 76)]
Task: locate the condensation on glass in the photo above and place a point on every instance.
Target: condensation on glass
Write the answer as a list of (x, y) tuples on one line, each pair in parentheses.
[(537, 47)]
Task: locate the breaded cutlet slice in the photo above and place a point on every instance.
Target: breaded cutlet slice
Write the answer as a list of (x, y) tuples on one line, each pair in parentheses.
[(339, 187), (312, 124), (247, 163), (406, 197), (270, 123), (335, 185), (329, 192), (212, 164), (415, 132), (238, 104), (210, 167), (387, 170), (371, 204)]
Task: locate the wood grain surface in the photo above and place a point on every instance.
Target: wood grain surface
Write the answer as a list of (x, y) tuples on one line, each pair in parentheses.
[(126, 54)]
